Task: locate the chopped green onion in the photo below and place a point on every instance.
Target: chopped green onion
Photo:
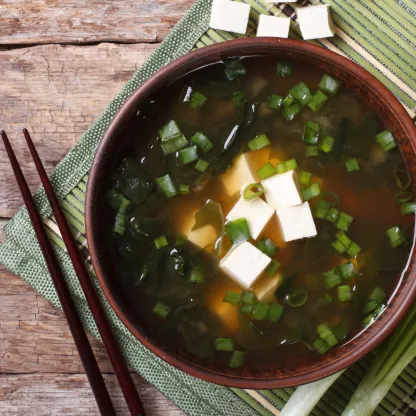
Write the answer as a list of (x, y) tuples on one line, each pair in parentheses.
[(283, 167), (373, 315), (253, 191), (184, 189), (275, 312), (197, 99), (180, 240), (267, 246), (305, 177), (288, 101), (247, 298), (290, 112), (284, 69), (326, 334), (344, 293), (352, 165), (344, 221), (201, 165), (313, 191), (169, 131), (239, 99), (340, 331), (115, 199), (331, 197), (321, 346), (371, 306), (343, 238), (332, 215), (237, 359), (311, 132), (266, 171), (321, 209), (346, 270), (317, 101), (258, 142), (232, 297), (395, 236), (386, 140), (197, 275), (378, 295), (234, 68), (271, 269), (246, 309), (329, 85), (224, 344), (409, 208), (202, 142), (260, 311), (238, 231), (297, 298), (338, 246), (161, 310), (167, 186), (275, 101), (311, 151), (188, 155), (326, 144), (403, 197), (332, 278), (403, 179), (301, 93), (120, 220), (354, 250), (161, 242), (174, 144)]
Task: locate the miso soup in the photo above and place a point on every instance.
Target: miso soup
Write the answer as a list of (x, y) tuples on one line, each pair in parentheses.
[(258, 214)]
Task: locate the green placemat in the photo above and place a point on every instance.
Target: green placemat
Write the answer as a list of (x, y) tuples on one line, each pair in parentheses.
[(381, 37)]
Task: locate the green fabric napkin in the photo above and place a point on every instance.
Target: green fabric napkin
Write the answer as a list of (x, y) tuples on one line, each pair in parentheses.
[(380, 36)]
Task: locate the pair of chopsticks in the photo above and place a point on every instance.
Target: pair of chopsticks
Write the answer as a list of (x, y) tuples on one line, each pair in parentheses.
[(80, 337)]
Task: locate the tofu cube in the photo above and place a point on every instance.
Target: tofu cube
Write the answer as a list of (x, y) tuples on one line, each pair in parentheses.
[(238, 175), (257, 213), (266, 287), (202, 237), (244, 263), (296, 222), (230, 16), (282, 190), (315, 22), (273, 26)]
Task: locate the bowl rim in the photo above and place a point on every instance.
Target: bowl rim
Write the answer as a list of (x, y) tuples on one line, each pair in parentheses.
[(217, 52)]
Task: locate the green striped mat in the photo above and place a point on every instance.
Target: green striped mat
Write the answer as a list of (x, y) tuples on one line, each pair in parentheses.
[(378, 35)]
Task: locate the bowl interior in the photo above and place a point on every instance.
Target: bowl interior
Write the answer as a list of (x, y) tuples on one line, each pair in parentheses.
[(117, 136)]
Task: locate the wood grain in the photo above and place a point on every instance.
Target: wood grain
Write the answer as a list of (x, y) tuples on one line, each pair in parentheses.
[(56, 92), (79, 21)]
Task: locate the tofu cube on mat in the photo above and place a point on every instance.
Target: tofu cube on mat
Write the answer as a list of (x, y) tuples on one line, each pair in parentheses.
[(238, 175), (273, 26), (315, 22), (282, 190), (296, 222), (229, 15), (244, 263), (257, 213)]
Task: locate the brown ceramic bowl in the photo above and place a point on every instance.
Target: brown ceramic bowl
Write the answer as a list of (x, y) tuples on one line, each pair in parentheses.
[(355, 78)]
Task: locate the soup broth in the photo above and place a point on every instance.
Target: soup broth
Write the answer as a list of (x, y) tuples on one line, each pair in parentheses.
[(185, 166)]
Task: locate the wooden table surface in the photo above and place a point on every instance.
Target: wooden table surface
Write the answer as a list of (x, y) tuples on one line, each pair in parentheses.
[(61, 61)]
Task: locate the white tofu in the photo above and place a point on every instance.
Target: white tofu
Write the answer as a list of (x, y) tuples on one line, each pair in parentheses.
[(257, 213), (244, 263), (202, 237), (296, 222), (273, 26), (266, 287), (282, 190), (315, 22), (238, 175), (230, 16)]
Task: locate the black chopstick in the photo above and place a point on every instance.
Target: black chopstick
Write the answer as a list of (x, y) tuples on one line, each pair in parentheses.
[(78, 333)]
